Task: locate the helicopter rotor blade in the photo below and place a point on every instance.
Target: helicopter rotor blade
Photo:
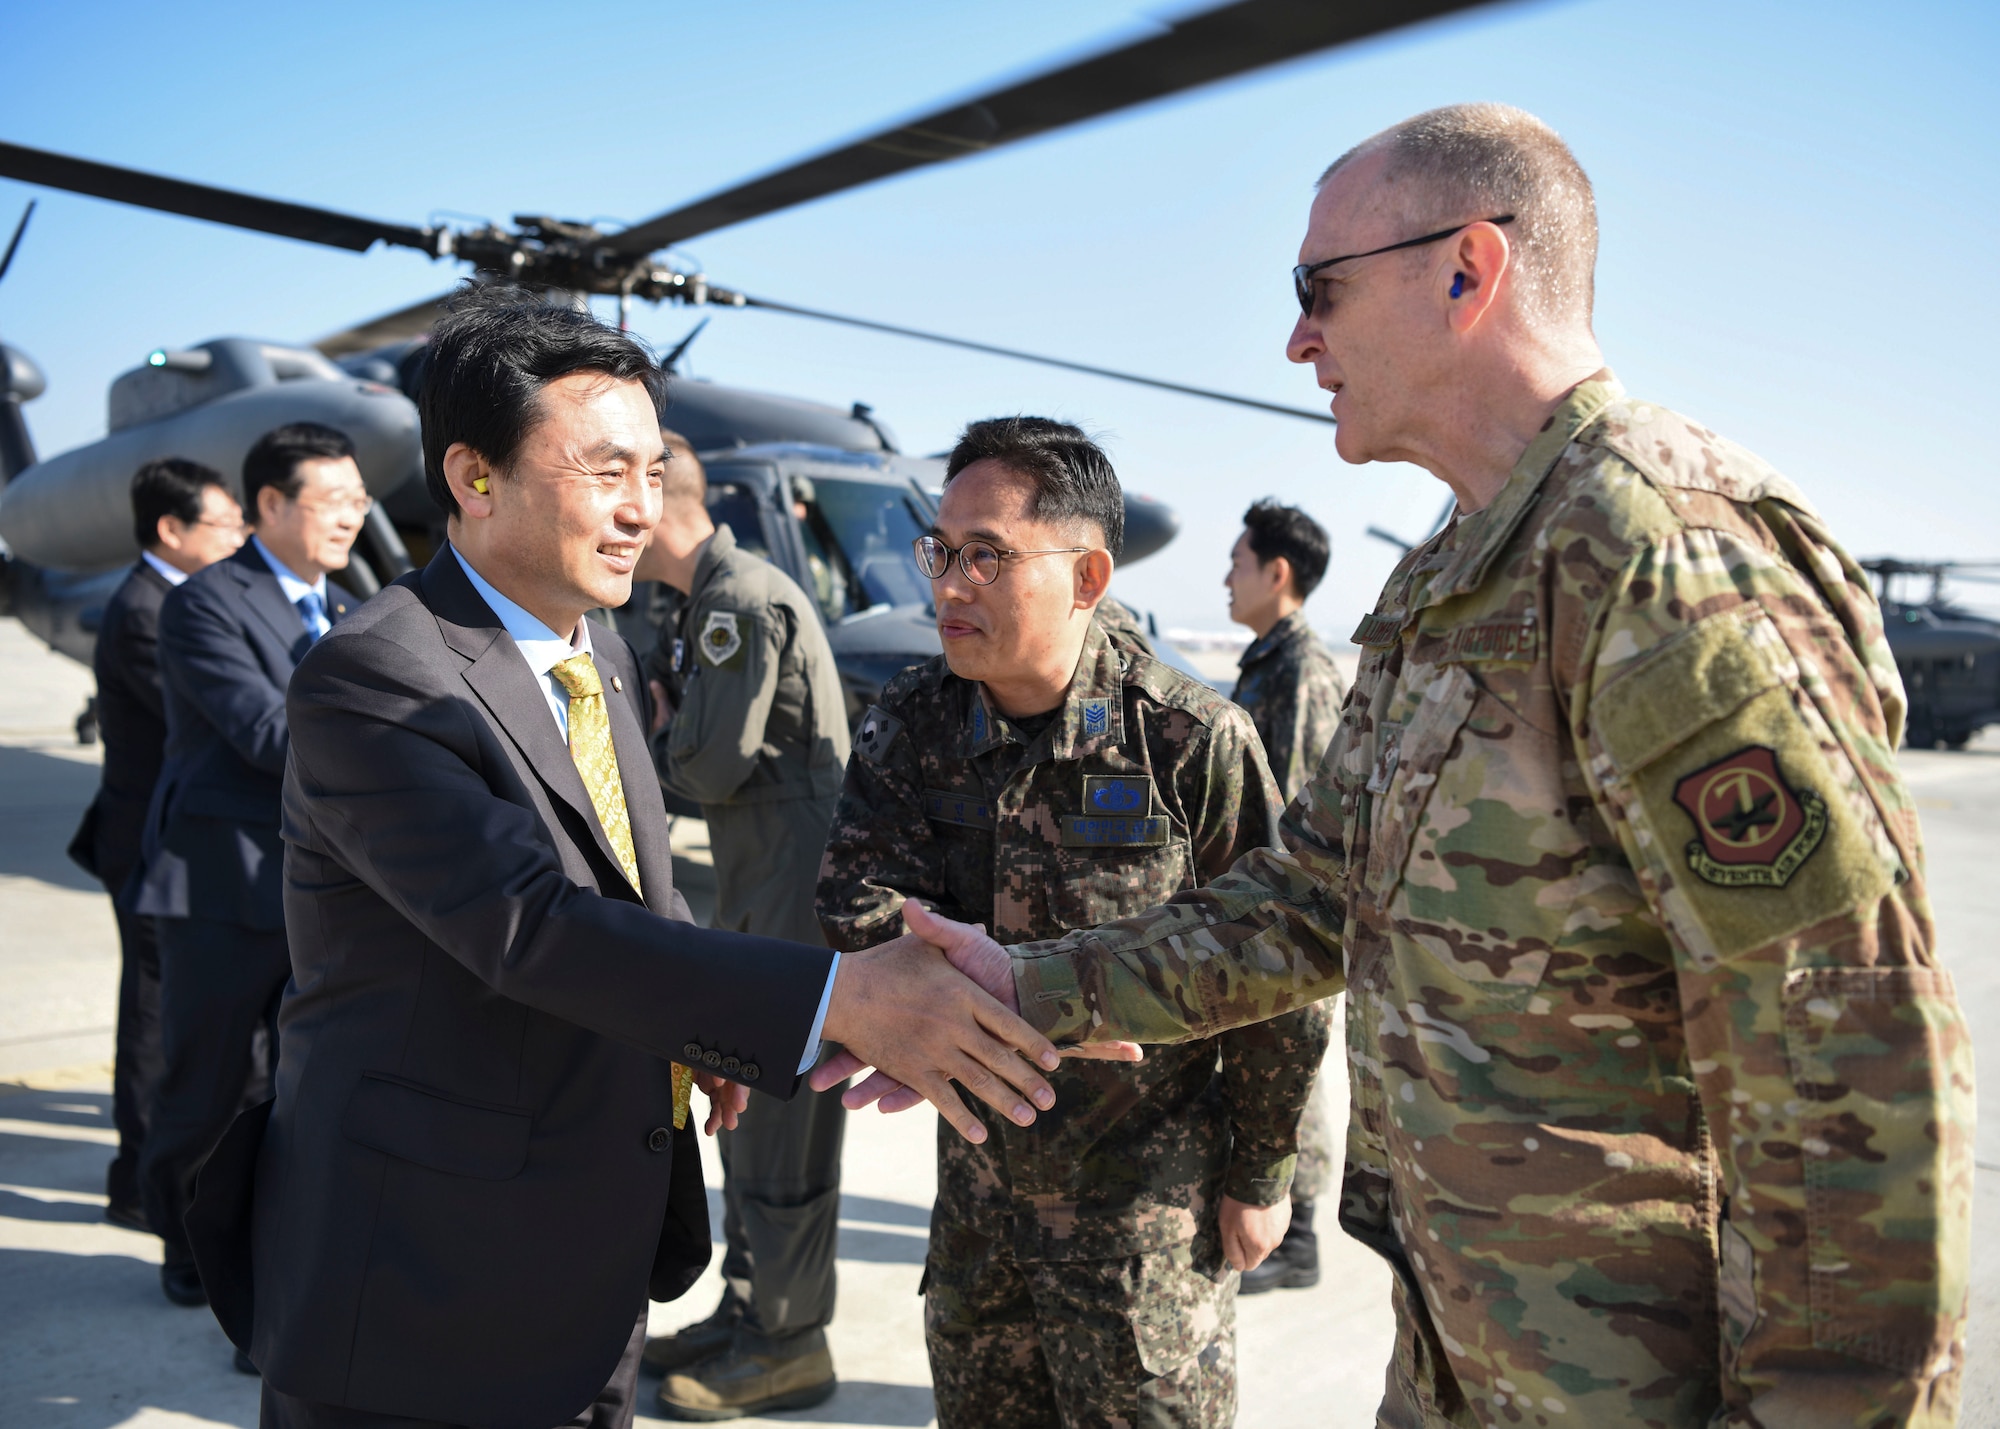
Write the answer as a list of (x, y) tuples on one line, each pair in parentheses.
[(399, 326), (14, 243), (239, 210), (992, 350), (1195, 50)]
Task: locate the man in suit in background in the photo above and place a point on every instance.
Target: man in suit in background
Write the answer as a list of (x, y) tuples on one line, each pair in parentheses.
[(184, 520), (229, 639), (478, 1166)]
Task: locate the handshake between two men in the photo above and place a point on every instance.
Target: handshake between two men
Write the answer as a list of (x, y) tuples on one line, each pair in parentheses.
[(934, 1007)]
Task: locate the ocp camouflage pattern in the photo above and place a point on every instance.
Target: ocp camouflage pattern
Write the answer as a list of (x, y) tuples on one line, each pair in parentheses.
[(1292, 691), (1643, 1147), (965, 810)]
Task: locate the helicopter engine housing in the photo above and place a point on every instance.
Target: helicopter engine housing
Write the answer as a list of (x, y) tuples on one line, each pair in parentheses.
[(74, 511)]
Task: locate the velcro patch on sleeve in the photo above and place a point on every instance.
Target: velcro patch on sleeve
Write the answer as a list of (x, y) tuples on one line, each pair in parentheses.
[(877, 732), (721, 638)]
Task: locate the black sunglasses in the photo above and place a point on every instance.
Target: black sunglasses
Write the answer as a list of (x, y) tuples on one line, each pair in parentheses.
[(1302, 276)]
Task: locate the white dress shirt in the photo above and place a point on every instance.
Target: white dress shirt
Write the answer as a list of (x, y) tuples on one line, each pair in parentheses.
[(543, 649), (172, 575), (296, 590)]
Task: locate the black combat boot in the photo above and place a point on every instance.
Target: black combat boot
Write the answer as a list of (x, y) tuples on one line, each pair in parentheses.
[(698, 1341), (1294, 1265)]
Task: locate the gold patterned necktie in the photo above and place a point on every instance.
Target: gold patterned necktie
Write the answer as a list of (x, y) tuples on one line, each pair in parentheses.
[(597, 761)]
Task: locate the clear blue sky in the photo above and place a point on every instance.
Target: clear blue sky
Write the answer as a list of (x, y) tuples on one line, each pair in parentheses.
[(1797, 204)]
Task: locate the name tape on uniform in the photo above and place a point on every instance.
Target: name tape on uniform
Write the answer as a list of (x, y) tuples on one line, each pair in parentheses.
[(972, 811), (1377, 630), (1094, 831)]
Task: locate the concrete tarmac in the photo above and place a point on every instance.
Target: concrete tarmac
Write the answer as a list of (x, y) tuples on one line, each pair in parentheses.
[(88, 1342)]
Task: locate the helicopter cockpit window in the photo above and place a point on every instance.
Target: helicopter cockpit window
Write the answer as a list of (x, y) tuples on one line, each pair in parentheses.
[(857, 536), (735, 506)]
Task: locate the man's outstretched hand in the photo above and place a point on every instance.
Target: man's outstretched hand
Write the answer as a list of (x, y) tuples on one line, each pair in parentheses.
[(903, 1009), (988, 965)]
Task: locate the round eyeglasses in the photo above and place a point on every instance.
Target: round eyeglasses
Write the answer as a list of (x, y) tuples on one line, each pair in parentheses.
[(980, 560)]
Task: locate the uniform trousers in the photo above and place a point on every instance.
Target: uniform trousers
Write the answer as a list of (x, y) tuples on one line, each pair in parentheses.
[(219, 990), (135, 1072), (612, 1409), (1133, 1342), (781, 1166)]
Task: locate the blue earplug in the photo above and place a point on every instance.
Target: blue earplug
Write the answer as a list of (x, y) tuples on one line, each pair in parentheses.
[(1457, 284)]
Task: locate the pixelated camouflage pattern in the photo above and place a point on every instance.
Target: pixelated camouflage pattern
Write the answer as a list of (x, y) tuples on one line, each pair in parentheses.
[(1142, 1341), (1292, 691), (1132, 1158), (1642, 1148)]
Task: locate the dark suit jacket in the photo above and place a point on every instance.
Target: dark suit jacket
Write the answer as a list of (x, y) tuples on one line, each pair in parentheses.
[(468, 1184), (132, 721), (229, 641)]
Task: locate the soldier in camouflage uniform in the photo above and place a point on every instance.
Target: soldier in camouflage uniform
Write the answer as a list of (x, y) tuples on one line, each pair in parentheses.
[(1079, 1269), (1292, 690), (1662, 1104), (750, 724)]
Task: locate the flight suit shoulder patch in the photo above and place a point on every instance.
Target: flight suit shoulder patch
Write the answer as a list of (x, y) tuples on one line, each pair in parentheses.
[(877, 731), (721, 639)]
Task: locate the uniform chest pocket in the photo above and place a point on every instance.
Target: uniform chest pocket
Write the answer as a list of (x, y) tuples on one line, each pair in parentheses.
[(1471, 846), (1096, 885)]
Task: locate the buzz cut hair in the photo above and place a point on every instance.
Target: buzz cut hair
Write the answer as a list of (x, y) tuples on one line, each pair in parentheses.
[(1466, 162), (1073, 478), (686, 481)]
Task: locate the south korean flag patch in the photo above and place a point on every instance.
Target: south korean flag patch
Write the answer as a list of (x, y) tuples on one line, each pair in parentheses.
[(720, 641), (877, 732)]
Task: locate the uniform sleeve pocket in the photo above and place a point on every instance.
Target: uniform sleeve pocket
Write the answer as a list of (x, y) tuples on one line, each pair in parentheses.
[(412, 1123), (1874, 1053)]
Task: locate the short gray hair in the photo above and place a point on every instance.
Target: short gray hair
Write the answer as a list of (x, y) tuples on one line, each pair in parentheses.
[(1471, 161)]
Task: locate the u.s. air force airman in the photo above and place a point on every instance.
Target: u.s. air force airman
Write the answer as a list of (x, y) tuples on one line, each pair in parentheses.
[(1045, 773), (1661, 1103), (751, 725)]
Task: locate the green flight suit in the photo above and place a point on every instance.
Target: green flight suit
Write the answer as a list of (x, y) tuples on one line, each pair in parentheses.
[(759, 739)]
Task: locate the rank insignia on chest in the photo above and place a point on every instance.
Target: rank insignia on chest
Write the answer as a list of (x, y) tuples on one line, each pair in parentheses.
[(1752, 829), (1096, 718), (971, 811), (720, 638), (1117, 794)]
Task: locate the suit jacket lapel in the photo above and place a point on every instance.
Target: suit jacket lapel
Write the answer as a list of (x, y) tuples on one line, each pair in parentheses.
[(651, 842), (264, 596), (504, 684)]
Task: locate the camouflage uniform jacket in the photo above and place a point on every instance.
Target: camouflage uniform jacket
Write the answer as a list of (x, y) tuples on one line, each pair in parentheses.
[(758, 712), (1145, 783), (1292, 691), (1661, 1103)]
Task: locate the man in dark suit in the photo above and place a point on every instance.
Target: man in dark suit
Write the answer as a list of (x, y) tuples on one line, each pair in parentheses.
[(229, 639), (478, 1164), (184, 520)]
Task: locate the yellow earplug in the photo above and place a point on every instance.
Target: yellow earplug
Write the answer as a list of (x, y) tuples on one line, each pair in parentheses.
[(480, 486)]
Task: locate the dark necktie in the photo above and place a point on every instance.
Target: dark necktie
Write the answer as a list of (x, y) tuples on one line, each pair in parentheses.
[(312, 610)]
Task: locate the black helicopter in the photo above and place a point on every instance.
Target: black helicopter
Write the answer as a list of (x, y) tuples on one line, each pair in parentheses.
[(64, 525), (1948, 656)]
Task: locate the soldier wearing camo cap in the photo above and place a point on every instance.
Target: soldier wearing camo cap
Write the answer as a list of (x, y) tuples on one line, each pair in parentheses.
[(1044, 772), (1291, 689), (1662, 1105)]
